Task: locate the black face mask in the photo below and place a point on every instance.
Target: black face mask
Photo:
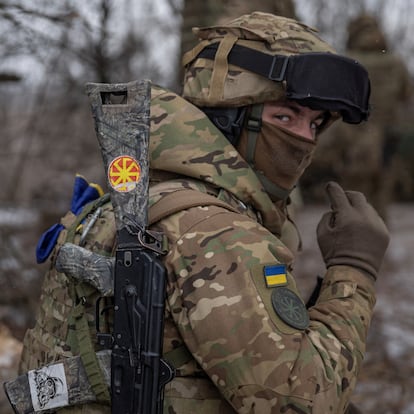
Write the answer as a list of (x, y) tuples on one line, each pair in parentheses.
[(321, 81)]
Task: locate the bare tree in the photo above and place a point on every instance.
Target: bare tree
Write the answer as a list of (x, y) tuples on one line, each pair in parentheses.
[(47, 133), (66, 44)]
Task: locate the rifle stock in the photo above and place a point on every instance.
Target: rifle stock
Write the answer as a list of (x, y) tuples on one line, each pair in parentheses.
[(138, 372)]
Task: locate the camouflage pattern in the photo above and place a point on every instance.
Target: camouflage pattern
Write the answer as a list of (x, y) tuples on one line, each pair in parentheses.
[(181, 141), (273, 35), (82, 264), (54, 336), (209, 12), (76, 385), (51, 341), (219, 308), (123, 130), (231, 350)]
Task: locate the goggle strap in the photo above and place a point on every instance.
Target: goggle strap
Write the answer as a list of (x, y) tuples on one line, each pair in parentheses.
[(322, 81), (270, 67)]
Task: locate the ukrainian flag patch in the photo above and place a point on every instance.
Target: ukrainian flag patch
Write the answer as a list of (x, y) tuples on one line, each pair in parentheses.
[(275, 275)]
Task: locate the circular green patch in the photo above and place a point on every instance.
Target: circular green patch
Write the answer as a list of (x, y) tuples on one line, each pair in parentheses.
[(290, 308)]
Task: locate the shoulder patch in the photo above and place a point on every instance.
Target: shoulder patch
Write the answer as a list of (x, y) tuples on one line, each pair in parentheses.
[(275, 275), (290, 308), (258, 275)]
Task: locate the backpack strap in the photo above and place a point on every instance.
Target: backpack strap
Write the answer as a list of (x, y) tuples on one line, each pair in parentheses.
[(183, 199), (167, 205)]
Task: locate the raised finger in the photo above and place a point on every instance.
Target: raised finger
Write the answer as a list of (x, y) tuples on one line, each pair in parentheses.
[(336, 195)]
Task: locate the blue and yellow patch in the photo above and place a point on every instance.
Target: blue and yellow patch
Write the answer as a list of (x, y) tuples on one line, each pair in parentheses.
[(275, 275)]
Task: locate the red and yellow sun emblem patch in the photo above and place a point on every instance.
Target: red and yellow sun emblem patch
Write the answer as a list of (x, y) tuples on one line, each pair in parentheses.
[(124, 173)]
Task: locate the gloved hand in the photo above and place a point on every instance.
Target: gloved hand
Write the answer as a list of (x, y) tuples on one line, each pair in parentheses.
[(352, 233)]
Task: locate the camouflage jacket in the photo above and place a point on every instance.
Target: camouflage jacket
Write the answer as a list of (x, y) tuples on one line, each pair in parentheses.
[(235, 327)]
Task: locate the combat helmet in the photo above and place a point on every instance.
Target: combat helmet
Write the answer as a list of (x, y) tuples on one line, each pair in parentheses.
[(261, 57)]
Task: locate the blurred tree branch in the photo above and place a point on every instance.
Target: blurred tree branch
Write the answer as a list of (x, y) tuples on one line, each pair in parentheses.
[(68, 43)]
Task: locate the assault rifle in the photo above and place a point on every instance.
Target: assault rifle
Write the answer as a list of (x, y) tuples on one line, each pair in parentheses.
[(138, 372)]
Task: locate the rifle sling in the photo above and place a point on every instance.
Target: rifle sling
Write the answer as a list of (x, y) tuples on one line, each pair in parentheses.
[(86, 347), (88, 356)]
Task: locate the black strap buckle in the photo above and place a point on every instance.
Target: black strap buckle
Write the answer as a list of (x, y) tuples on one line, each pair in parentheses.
[(278, 68), (254, 124)]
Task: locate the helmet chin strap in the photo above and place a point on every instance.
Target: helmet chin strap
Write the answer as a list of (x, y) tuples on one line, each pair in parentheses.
[(253, 126), (275, 192)]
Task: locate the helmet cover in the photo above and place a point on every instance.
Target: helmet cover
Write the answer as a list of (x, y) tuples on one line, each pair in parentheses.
[(215, 82)]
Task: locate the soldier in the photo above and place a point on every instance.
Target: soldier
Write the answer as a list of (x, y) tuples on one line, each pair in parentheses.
[(368, 150), (257, 93)]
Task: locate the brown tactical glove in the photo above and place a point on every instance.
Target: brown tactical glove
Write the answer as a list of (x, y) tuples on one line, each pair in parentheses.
[(352, 233)]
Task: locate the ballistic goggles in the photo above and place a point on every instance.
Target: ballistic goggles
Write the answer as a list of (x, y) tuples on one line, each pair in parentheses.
[(321, 81)]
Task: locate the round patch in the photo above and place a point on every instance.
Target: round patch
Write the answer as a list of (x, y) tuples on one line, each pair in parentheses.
[(289, 307), (124, 173)]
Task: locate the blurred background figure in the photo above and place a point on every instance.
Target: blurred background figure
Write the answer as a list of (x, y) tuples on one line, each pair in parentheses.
[(361, 157)]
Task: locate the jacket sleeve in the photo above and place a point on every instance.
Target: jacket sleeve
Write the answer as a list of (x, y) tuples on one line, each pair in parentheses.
[(258, 362)]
